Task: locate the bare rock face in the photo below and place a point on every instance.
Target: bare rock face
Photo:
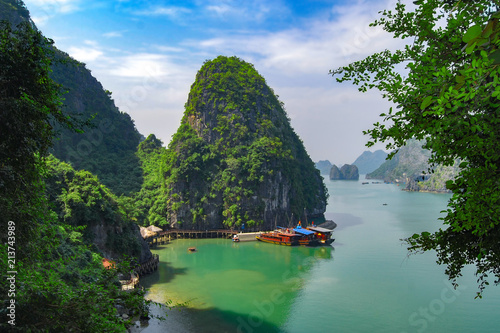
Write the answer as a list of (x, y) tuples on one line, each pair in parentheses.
[(235, 158)]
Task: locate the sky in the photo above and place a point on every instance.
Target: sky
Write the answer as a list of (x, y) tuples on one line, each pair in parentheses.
[(147, 53)]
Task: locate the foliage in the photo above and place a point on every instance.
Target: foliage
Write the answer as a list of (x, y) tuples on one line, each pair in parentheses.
[(449, 97), (28, 104), (234, 140), (66, 288), (79, 199), (61, 285)]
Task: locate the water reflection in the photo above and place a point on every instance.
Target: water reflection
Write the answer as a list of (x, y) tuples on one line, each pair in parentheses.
[(248, 286)]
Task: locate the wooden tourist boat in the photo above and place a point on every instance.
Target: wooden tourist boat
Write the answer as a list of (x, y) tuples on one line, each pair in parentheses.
[(323, 235), (280, 237), (307, 237)]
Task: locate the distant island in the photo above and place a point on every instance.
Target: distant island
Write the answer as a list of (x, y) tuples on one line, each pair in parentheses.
[(410, 166), (346, 172), (324, 167), (369, 161)]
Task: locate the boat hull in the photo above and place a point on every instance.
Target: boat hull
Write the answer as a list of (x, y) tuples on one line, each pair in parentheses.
[(276, 241), (327, 242)]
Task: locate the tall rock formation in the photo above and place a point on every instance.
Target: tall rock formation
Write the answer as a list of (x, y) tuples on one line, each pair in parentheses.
[(235, 158), (107, 148), (335, 173), (346, 172), (349, 172)]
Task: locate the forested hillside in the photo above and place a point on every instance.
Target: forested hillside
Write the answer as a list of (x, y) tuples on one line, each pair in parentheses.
[(57, 223), (108, 146)]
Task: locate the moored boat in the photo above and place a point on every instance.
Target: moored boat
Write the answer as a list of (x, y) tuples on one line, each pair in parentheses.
[(279, 237), (307, 237), (323, 235)]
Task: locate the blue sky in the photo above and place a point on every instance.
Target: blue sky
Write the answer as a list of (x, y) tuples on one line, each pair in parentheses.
[(148, 52)]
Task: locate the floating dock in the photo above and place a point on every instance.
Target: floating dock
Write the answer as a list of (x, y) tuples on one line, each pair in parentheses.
[(248, 236)]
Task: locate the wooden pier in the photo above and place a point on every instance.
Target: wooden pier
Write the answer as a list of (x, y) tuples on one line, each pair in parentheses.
[(164, 237), (149, 266)]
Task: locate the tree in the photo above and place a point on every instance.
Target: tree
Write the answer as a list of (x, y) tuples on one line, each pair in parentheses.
[(449, 97), (29, 102), (60, 285)]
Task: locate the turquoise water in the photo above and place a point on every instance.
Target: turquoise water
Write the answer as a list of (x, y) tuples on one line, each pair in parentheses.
[(364, 282)]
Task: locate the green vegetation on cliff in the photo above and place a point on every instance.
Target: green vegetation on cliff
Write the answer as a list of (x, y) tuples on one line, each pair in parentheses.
[(80, 200), (108, 146), (235, 158)]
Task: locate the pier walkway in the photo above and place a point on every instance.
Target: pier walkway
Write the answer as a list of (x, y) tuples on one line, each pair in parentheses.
[(163, 237)]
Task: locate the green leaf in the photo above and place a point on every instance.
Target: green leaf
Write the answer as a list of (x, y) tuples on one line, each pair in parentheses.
[(470, 47), (495, 57), (472, 33), (426, 102)]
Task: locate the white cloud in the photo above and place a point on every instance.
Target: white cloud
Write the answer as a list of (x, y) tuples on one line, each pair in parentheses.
[(152, 82), (219, 9), (143, 65), (85, 54), (252, 11), (43, 10), (169, 49), (172, 12), (113, 34), (321, 45)]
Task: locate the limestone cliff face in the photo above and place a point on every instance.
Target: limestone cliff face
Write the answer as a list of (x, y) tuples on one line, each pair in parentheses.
[(235, 158)]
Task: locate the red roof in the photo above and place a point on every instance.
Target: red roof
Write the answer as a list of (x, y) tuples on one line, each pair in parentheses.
[(108, 263)]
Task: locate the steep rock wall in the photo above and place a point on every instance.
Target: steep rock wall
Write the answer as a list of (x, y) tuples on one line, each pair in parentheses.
[(235, 158)]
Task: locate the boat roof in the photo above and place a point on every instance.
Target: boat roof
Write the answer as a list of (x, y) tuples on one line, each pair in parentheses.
[(303, 231), (319, 229)]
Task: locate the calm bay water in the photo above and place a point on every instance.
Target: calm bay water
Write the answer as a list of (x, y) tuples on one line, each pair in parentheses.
[(364, 282)]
